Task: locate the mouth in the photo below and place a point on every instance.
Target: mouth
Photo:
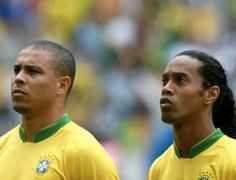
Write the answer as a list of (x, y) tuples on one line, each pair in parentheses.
[(18, 92), (166, 102)]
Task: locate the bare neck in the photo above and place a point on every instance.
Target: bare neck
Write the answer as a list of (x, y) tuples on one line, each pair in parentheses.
[(33, 122), (188, 135)]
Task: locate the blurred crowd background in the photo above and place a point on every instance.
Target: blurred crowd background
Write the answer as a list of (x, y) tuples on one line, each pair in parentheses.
[(121, 48)]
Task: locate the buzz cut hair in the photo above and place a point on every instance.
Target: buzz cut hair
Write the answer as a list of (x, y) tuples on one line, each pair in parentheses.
[(63, 59)]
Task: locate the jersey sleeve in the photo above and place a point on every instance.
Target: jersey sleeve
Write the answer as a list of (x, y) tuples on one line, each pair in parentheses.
[(92, 162)]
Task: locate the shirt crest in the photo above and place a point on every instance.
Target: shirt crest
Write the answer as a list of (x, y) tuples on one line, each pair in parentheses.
[(206, 175), (43, 165)]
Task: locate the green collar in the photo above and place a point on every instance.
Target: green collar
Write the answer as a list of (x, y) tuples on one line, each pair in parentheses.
[(203, 145), (46, 132)]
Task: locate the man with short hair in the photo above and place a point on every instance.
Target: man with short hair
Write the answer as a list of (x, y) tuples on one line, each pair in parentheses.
[(47, 144)]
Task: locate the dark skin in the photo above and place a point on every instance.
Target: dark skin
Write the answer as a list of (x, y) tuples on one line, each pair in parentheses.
[(38, 92), (185, 104)]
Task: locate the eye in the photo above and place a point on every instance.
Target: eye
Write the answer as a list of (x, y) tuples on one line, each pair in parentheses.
[(17, 69), (33, 71), (181, 79), (164, 81)]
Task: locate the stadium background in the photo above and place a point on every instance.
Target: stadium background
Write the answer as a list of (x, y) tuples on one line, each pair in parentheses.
[(121, 48)]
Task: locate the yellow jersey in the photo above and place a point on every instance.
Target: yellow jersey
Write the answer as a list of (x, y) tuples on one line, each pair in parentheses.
[(214, 158), (62, 151)]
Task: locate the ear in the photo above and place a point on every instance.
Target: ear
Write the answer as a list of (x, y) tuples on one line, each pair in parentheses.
[(63, 85), (212, 94)]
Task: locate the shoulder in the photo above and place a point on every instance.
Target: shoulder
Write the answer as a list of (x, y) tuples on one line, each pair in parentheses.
[(165, 155), (229, 144), (76, 134), (86, 155), (13, 132), (82, 144), (226, 146), (158, 163), (92, 161)]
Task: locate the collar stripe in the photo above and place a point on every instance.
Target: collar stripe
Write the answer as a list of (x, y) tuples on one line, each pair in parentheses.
[(46, 132), (203, 145)]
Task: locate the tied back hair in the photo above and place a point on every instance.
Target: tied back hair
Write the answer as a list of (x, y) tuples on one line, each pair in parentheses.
[(212, 72)]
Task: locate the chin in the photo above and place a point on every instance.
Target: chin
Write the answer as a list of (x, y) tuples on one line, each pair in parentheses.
[(21, 109), (168, 118)]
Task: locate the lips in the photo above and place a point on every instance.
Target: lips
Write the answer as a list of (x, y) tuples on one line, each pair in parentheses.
[(166, 103), (18, 91), (165, 100)]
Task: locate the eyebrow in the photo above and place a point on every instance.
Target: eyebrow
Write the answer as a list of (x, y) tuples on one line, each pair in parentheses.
[(175, 74), (28, 66)]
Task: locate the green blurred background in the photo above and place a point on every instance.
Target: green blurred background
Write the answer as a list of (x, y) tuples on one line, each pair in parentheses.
[(121, 48)]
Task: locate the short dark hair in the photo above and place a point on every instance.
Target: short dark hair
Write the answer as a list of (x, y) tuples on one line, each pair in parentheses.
[(212, 72), (63, 59)]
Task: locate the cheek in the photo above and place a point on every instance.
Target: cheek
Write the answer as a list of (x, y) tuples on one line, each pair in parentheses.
[(42, 89), (190, 99)]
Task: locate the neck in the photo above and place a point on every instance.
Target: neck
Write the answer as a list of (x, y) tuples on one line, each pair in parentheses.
[(32, 123), (188, 135)]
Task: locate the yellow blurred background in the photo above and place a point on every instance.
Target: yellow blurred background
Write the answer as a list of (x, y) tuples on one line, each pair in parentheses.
[(121, 48)]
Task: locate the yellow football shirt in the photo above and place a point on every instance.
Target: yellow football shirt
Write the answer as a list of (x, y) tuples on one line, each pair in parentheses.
[(62, 151), (214, 158)]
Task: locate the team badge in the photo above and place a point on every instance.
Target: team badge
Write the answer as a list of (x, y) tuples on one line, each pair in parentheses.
[(205, 176), (43, 165)]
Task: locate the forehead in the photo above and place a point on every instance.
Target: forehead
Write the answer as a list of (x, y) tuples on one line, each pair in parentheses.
[(183, 64), (34, 57)]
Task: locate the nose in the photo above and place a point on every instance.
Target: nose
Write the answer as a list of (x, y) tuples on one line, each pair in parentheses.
[(19, 78), (167, 89)]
